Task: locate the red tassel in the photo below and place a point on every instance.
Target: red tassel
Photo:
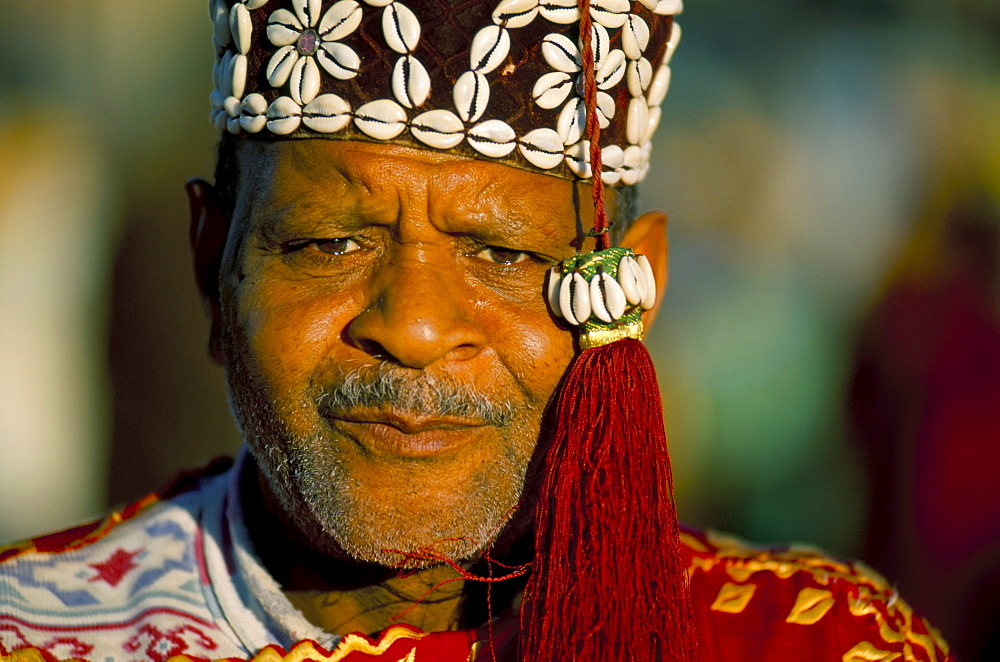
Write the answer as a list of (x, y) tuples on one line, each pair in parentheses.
[(608, 581)]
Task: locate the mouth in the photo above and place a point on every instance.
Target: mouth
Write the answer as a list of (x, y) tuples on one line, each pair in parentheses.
[(386, 432)]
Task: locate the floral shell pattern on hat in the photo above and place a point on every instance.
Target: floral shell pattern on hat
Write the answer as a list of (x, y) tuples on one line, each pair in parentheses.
[(494, 79)]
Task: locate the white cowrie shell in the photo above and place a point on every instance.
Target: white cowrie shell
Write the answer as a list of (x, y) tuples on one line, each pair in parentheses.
[(513, 14), (241, 27), (649, 4), (255, 4), (598, 309), (233, 125), (562, 12), (284, 116), (400, 27), (232, 106), (610, 13), (381, 119), (669, 7), (339, 60), (411, 85), (489, 48), (543, 148), (220, 23), (635, 37), (307, 11), (612, 70), (253, 113), (636, 120), (217, 69), (610, 177), (327, 113), (658, 87), (238, 73), (675, 38), (561, 53), (493, 138), (628, 279), (610, 294), (219, 120), (304, 80), (600, 41), (649, 298), (633, 163), (340, 20), (438, 128), (226, 73), (578, 159), (283, 29), (471, 95), (566, 300), (653, 122), (279, 67), (581, 298), (553, 291), (378, 3), (217, 99), (572, 121), (605, 109), (551, 89), (640, 72), (612, 156)]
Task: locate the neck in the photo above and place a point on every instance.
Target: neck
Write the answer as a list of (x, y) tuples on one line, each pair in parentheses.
[(342, 595)]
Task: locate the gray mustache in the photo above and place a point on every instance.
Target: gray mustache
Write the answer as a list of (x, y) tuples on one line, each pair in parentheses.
[(410, 392)]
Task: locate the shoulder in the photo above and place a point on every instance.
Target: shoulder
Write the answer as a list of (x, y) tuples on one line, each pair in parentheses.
[(755, 602), (89, 581)]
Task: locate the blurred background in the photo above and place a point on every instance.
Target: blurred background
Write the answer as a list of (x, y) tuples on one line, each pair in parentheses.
[(829, 349)]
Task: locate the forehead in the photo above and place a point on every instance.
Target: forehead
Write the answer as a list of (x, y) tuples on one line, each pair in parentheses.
[(277, 174)]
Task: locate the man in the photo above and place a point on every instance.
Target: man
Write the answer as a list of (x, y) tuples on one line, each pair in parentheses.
[(398, 185)]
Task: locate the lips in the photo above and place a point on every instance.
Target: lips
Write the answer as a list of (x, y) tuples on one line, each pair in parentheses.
[(389, 432)]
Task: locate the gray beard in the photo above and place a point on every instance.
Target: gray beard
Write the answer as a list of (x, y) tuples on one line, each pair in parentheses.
[(334, 509)]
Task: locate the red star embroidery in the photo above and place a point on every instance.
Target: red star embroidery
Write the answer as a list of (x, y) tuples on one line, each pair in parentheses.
[(116, 567)]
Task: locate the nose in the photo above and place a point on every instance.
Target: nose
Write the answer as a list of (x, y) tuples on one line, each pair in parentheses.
[(421, 313)]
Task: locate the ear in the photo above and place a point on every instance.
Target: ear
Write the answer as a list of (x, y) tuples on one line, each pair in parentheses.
[(648, 236), (208, 232)]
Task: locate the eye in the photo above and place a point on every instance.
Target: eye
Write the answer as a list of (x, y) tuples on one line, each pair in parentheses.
[(502, 255), (337, 246)]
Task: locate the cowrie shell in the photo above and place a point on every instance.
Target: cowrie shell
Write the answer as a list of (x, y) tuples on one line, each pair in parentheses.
[(514, 14), (658, 87), (304, 80), (238, 74), (653, 122), (675, 38), (284, 116), (610, 13), (635, 37), (640, 72), (307, 11), (600, 41), (340, 20), (438, 128), (605, 109), (339, 60), (562, 12), (649, 298), (279, 67), (572, 121), (283, 29), (219, 119), (411, 85), (232, 106), (612, 70), (561, 53), (628, 279), (222, 34), (378, 3), (636, 120), (580, 298), (553, 291), (551, 89), (327, 113), (649, 4), (255, 4), (578, 159), (613, 156), (493, 138), (543, 148), (669, 7), (607, 298), (400, 27), (489, 48), (241, 27), (610, 177), (566, 299), (233, 125), (381, 119), (471, 95), (253, 113)]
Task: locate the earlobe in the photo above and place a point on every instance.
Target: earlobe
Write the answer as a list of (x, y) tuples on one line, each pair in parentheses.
[(648, 236), (208, 232)]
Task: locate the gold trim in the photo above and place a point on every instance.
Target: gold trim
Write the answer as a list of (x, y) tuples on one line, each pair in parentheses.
[(591, 338)]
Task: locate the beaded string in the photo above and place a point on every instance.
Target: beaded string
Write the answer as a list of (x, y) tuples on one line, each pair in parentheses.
[(601, 229)]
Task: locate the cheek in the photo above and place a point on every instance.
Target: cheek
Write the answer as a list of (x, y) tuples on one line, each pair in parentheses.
[(535, 351)]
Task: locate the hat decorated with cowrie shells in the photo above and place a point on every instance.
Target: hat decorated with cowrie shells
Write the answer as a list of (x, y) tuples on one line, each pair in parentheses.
[(489, 79)]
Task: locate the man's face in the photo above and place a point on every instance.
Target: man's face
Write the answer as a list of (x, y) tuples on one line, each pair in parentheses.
[(388, 346)]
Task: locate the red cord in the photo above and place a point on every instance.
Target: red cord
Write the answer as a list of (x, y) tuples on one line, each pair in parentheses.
[(593, 126)]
